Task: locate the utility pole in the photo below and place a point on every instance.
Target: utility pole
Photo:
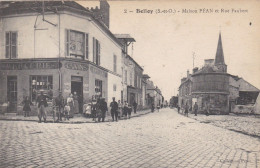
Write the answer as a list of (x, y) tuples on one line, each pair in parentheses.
[(193, 57)]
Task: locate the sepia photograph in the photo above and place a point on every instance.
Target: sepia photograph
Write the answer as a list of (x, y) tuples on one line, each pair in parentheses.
[(130, 84)]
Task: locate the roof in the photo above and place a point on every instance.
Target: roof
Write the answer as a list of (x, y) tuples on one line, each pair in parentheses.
[(146, 76), (21, 7), (128, 56), (246, 86), (219, 59), (125, 36)]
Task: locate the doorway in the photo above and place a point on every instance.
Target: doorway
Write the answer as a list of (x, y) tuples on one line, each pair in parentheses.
[(77, 86), (12, 93)]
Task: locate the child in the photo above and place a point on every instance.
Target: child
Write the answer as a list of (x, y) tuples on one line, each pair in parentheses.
[(66, 111), (26, 107)]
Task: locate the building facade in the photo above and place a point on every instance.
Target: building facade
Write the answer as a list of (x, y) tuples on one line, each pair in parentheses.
[(62, 47)]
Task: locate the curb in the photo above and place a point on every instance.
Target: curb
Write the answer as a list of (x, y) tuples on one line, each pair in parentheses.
[(72, 122)]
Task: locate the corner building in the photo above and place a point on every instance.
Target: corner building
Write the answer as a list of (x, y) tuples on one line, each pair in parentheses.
[(57, 46)]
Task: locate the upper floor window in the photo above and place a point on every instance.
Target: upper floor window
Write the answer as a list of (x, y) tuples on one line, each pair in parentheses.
[(96, 51), (77, 44), (11, 45), (126, 76), (115, 63)]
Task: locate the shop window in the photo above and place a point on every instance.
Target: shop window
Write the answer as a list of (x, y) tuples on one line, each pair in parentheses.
[(98, 88), (41, 83), (96, 51), (11, 45), (77, 44)]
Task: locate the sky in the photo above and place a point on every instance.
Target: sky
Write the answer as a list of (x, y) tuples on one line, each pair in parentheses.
[(165, 42)]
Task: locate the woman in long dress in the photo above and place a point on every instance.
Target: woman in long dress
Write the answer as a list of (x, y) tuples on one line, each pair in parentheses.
[(76, 103), (70, 102)]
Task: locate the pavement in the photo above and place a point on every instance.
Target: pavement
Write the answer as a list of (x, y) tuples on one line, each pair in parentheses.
[(162, 139), (78, 118), (245, 124)]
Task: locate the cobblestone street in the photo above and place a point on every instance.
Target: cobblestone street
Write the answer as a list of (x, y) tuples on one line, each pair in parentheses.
[(164, 139)]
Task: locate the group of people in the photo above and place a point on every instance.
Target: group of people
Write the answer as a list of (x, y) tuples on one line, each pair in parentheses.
[(60, 106), (97, 109), (195, 108)]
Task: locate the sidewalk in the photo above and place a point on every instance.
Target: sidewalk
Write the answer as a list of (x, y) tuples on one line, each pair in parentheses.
[(77, 119), (245, 124)]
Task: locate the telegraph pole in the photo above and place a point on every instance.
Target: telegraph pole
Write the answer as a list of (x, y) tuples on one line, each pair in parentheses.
[(193, 57)]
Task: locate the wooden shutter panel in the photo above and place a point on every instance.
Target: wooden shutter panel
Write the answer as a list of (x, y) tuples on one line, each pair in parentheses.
[(94, 50), (7, 45), (86, 49), (98, 53), (67, 43)]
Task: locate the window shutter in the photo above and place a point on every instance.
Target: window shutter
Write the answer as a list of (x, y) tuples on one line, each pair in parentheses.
[(94, 50), (98, 53), (67, 43), (13, 45), (86, 50), (7, 45)]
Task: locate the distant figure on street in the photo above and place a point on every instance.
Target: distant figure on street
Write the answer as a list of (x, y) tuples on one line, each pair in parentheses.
[(114, 109), (103, 109), (76, 103), (135, 106), (178, 107), (158, 107), (120, 112), (125, 109), (94, 110), (58, 104), (186, 109), (207, 109), (42, 104), (26, 106), (195, 107), (70, 102), (152, 107)]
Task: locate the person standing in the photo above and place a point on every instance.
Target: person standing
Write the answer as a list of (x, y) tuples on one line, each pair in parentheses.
[(76, 103), (59, 105), (125, 109), (152, 107), (178, 107), (186, 109), (42, 104), (195, 107), (135, 106), (207, 109), (158, 107), (94, 110), (70, 102), (103, 109), (26, 108), (114, 109), (120, 112)]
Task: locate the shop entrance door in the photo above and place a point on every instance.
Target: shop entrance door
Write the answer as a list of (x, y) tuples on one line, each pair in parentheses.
[(77, 86), (132, 98), (12, 93)]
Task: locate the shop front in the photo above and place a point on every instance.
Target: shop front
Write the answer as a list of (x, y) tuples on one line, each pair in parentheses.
[(28, 77)]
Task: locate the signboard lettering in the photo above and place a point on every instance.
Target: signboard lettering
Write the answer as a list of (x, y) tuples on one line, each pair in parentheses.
[(76, 66), (29, 65)]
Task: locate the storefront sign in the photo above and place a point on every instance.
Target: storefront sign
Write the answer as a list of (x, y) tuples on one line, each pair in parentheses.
[(29, 65), (76, 66), (98, 71)]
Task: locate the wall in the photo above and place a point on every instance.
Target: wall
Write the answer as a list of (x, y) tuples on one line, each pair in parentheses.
[(109, 48), (45, 41)]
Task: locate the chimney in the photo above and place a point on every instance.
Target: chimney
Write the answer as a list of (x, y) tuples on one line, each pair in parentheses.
[(188, 73), (104, 12), (195, 69)]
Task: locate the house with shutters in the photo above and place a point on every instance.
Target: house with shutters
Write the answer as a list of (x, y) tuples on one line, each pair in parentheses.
[(57, 46)]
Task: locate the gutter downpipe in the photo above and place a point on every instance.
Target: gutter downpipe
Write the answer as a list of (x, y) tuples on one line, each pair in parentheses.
[(60, 75)]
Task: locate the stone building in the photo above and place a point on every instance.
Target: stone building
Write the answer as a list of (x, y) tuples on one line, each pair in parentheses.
[(57, 46), (208, 85), (212, 85)]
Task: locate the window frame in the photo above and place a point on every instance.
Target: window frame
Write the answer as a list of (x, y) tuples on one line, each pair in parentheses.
[(10, 45)]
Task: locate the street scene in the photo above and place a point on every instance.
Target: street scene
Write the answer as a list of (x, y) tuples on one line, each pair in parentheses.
[(156, 84), (159, 139)]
